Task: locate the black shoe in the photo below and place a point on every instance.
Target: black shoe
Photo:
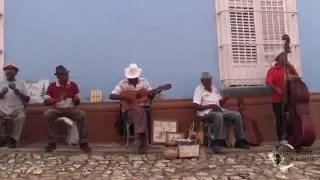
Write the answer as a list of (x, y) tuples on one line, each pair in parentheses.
[(215, 146), (50, 147), (3, 143), (241, 144), (223, 143), (85, 148), (12, 143)]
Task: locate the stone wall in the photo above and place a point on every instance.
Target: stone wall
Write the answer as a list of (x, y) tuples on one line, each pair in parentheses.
[(102, 117)]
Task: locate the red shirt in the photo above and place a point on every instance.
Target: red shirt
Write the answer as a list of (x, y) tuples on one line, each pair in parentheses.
[(275, 76), (55, 90)]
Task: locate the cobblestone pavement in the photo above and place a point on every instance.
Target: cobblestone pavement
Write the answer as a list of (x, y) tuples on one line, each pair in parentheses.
[(74, 165)]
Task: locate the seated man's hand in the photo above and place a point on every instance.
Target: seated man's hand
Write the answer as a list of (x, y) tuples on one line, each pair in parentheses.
[(75, 98), (216, 108), (63, 96), (12, 85)]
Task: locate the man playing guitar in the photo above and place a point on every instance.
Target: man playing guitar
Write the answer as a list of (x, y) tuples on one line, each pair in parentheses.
[(275, 80), (135, 109)]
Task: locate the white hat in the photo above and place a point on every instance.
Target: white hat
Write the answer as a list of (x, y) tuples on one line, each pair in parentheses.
[(132, 71), (206, 75), (10, 65)]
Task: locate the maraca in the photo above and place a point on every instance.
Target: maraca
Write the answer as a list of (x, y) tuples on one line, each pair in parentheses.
[(12, 85), (4, 90)]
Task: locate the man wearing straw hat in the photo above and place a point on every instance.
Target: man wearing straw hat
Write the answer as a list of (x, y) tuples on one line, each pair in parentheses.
[(207, 101), (138, 114), (13, 100), (63, 97)]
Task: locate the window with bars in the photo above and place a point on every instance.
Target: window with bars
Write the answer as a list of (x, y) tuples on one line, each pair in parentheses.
[(249, 38)]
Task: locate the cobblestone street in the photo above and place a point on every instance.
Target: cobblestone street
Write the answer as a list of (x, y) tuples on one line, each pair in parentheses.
[(75, 165)]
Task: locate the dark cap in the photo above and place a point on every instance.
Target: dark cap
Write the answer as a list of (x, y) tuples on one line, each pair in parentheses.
[(60, 69)]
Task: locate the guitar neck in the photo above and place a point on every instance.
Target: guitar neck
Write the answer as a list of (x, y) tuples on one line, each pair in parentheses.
[(153, 91)]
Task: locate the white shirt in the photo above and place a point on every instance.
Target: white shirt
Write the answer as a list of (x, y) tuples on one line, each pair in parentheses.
[(11, 102), (204, 97), (124, 85)]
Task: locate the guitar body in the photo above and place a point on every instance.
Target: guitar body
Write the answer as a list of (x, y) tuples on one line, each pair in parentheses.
[(252, 132), (137, 96), (253, 135), (302, 125), (140, 96)]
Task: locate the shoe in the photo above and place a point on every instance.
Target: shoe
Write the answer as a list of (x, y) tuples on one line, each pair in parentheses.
[(12, 143), (3, 143), (215, 146), (241, 144), (50, 147), (222, 143), (85, 147), (143, 150)]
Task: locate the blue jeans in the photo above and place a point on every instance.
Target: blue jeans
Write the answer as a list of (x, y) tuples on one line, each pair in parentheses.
[(217, 120)]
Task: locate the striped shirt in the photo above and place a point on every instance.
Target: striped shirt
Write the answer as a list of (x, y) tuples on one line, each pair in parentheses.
[(124, 85)]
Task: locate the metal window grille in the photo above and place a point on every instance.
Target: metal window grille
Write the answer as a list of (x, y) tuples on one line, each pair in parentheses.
[(249, 38)]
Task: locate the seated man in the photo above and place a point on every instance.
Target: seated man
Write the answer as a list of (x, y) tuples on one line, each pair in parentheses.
[(137, 114), (207, 102), (13, 100), (63, 96)]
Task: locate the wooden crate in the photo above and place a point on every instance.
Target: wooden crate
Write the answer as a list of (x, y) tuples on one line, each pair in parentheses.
[(186, 151)]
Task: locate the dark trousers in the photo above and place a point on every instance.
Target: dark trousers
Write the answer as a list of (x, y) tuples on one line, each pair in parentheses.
[(76, 115), (281, 125)]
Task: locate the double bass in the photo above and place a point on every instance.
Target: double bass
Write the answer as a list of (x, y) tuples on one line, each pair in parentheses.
[(298, 121)]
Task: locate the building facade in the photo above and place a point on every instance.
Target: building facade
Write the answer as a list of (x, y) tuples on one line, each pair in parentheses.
[(172, 40)]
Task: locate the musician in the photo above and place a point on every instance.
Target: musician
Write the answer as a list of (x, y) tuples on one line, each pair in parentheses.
[(275, 80), (63, 97), (13, 101), (137, 115), (207, 101)]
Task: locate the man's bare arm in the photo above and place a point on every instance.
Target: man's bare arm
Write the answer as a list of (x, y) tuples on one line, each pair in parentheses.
[(50, 101), (223, 100), (199, 107), (119, 97), (275, 88)]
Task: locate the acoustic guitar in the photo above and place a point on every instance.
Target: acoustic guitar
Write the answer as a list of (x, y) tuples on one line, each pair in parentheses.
[(252, 133), (140, 96)]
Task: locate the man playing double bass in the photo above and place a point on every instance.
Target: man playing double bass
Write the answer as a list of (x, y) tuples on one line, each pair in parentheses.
[(136, 115), (275, 80)]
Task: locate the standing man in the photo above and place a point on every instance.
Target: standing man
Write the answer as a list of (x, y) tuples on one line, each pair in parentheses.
[(275, 80), (63, 97), (13, 101), (137, 115), (207, 101)]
